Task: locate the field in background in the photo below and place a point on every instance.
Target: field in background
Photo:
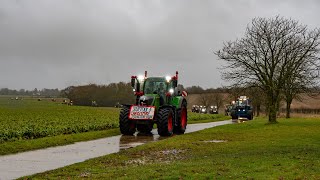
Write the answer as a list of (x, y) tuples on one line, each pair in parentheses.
[(30, 119)]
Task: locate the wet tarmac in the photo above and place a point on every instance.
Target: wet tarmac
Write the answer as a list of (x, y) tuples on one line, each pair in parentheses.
[(28, 163)]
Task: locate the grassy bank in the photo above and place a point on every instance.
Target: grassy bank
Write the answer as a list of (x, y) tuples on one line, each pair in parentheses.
[(251, 150)]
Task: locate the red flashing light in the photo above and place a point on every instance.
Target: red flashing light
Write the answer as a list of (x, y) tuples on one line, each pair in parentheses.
[(133, 77), (168, 94)]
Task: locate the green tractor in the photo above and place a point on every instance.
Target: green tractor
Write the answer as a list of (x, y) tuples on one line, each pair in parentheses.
[(158, 101)]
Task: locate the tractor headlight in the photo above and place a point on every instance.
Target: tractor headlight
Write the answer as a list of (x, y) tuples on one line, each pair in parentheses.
[(140, 78), (171, 91)]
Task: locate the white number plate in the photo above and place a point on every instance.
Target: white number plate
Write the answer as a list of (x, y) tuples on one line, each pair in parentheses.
[(142, 112)]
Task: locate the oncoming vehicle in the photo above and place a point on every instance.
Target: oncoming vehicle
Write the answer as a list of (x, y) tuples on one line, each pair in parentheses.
[(158, 101), (242, 109), (195, 108), (203, 109), (213, 110)]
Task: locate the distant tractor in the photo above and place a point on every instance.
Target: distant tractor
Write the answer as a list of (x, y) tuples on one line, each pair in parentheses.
[(158, 101), (242, 109), (213, 110)]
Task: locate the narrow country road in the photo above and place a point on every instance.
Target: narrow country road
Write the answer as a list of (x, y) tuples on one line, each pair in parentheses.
[(32, 162)]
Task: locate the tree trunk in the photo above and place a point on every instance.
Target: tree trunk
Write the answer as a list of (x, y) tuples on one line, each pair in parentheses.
[(273, 113), (258, 110), (273, 106), (288, 108)]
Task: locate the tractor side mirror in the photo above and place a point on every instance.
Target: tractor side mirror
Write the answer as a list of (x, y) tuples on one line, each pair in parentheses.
[(175, 83)]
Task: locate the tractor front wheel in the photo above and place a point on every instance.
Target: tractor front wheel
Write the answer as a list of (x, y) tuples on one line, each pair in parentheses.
[(165, 122), (127, 127)]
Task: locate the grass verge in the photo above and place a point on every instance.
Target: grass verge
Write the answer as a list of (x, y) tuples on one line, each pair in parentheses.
[(40, 143), (251, 150)]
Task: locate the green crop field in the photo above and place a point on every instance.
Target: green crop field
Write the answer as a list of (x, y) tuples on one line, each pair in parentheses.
[(30, 118)]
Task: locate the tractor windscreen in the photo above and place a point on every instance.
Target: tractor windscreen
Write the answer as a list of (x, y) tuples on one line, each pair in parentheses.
[(155, 86), (242, 102)]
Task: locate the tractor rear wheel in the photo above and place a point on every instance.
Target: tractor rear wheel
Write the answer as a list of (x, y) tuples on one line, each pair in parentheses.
[(182, 116), (165, 122), (127, 127)]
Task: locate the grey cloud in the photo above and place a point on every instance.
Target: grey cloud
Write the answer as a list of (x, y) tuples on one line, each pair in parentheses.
[(56, 43)]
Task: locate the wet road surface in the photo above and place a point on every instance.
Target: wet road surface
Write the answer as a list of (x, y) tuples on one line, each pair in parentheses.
[(32, 162)]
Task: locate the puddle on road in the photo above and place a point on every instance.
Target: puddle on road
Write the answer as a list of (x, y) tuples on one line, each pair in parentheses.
[(214, 141), (137, 139), (237, 121)]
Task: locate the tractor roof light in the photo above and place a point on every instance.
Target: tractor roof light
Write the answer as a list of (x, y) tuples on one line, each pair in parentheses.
[(168, 78), (140, 78)]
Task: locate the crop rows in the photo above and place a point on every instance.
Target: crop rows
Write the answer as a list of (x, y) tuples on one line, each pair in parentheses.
[(28, 119)]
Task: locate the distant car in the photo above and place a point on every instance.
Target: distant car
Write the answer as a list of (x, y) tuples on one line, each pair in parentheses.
[(118, 105), (195, 108), (203, 110), (213, 110)]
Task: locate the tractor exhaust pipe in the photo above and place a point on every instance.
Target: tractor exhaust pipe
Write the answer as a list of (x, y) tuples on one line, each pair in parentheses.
[(145, 74), (177, 74)]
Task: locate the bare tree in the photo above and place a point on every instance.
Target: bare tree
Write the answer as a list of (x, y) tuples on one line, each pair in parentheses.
[(217, 100), (257, 98), (271, 51), (205, 99)]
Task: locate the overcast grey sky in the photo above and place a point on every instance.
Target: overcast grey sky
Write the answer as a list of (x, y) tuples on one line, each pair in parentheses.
[(58, 43)]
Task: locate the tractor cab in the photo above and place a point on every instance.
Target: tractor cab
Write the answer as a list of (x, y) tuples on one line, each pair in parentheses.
[(157, 87)]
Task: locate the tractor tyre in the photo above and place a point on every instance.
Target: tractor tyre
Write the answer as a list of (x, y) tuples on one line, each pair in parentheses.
[(145, 128), (127, 127), (165, 122), (182, 119)]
